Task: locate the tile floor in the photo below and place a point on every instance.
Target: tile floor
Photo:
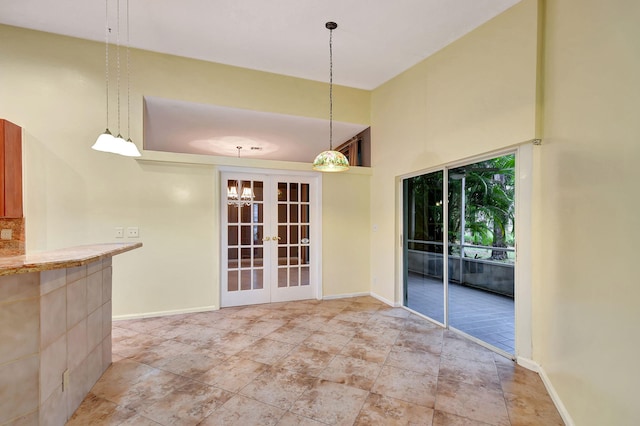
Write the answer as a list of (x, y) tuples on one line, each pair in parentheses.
[(348, 362), (488, 316)]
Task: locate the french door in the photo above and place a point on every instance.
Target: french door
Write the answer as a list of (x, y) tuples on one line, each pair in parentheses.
[(270, 243)]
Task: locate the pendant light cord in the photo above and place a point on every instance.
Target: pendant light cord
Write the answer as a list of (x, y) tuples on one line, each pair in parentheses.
[(330, 89), (118, 62), (128, 80), (106, 54)]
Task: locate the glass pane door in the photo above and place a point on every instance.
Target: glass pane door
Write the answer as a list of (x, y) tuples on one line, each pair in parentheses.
[(472, 287), (423, 245), (294, 239), (244, 251), (269, 246)]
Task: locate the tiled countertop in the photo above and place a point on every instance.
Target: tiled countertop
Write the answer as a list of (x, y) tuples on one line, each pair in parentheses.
[(62, 258)]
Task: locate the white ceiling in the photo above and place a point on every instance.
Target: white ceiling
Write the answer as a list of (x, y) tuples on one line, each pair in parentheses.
[(375, 40)]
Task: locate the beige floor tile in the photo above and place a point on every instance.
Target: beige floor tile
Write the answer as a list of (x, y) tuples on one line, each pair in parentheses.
[(266, 351), (328, 342), (330, 403), (440, 418), (139, 420), (98, 411), (290, 419), (318, 363), (466, 400), (187, 405), (278, 387), (354, 372), (367, 350), (232, 343), (387, 321), (151, 388), (532, 411), (306, 361), (377, 333), (241, 410), (417, 360), (263, 327), (429, 340), (189, 364), (233, 374), (409, 386), (290, 334), (456, 346), (477, 373), (382, 410)]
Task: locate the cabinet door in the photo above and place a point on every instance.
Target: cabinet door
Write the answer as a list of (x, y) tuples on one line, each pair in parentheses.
[(11, 173)]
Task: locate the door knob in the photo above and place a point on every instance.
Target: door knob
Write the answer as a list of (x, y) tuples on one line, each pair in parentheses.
[(266, 239), (276, 238)]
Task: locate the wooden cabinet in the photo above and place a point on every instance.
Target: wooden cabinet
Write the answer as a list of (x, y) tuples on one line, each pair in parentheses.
[(10, 170)]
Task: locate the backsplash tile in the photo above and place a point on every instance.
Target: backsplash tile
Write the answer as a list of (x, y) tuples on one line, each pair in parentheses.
[(14, 246)]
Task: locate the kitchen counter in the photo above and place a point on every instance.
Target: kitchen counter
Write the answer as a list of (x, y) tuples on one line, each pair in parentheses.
[(62, 258), (55, 330)]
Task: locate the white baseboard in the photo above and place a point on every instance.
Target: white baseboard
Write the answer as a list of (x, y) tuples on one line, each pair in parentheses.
[(384, 300), (344, 296), (564, 413), (534, 366), (165, 313)]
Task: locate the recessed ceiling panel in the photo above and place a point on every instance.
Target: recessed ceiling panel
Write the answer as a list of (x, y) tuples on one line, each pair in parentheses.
[(192, 128)]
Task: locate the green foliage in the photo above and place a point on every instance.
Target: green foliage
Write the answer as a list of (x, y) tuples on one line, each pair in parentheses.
[(489, 206)]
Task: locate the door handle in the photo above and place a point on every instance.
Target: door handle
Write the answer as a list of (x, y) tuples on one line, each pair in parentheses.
[(266, 239), (276, 238)]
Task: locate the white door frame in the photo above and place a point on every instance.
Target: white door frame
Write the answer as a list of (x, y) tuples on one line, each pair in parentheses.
[(315, 179), (524, 249)]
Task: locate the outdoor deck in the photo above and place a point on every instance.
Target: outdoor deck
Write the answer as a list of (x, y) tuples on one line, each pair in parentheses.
[(485, 315)]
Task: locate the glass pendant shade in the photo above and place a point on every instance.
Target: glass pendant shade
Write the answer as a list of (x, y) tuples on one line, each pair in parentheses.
[(331, 161), (130, 149), (105, 142)]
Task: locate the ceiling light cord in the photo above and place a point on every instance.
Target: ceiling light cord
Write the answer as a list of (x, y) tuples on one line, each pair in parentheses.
[(128, 81), (118, 62), (107, 30), (330, 89)]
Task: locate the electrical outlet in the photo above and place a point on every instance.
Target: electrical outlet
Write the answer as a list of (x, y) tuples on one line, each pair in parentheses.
[(65, 380), (6, 234), (132, 232), (119, 232)]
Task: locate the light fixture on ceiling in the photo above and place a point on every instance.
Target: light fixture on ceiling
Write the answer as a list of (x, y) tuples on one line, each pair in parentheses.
[(331, 161), (238, 194), (106, 142)]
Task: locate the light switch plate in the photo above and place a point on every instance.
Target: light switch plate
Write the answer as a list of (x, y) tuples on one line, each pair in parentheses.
[(6, 234), (132, 232), (119, 232)]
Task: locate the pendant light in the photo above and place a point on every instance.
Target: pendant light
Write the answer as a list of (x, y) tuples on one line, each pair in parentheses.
[(129, 149), (331, 161), (106, 141)]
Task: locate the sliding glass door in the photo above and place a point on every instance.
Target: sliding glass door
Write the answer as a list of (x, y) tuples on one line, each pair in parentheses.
[(471, 289)]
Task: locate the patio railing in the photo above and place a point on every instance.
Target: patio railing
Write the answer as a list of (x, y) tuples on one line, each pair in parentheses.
[(486, 274)]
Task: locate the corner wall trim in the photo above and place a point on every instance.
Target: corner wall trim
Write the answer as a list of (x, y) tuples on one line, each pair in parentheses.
[(384, 300), (165, 313), (344, 296), (534, 366)]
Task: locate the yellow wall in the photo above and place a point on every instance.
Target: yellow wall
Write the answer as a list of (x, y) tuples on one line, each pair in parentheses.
[(477, 95), (53, 87), (474, 96), (588, 308)]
